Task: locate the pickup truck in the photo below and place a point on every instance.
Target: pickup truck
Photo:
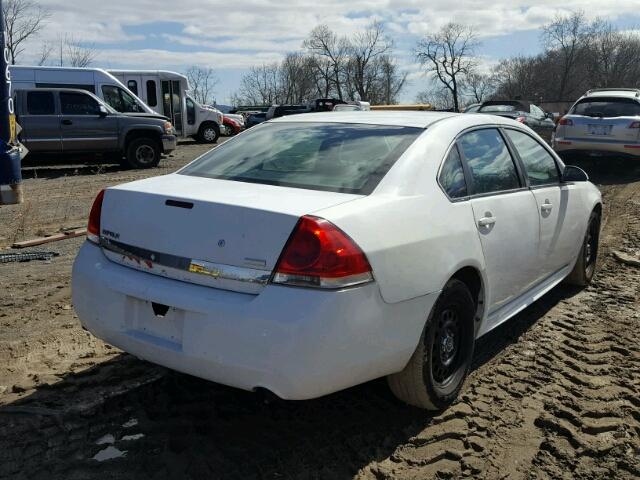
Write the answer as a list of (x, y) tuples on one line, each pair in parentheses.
[(56, 120)]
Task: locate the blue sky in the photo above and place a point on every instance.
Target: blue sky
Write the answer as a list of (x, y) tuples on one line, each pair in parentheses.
[(232, 36)]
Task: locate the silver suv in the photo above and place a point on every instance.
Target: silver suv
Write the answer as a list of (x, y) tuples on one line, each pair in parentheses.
[(603, 121)]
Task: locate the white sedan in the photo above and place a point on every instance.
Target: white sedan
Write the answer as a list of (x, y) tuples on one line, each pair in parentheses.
[(320, 251)]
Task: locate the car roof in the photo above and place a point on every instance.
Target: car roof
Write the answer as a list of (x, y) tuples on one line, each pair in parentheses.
[(614, 92), (384, 117)]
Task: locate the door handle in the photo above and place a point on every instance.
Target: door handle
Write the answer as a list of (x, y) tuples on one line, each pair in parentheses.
[(546, 207), (486, 221), (67, 122)]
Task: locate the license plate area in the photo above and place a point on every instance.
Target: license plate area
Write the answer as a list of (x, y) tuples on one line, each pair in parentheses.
[(601, 130), (154, 322)]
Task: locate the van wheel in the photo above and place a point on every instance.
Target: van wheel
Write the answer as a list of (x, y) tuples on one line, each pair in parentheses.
[(143, 153), (585, 266), (209, 133), (435, 374)]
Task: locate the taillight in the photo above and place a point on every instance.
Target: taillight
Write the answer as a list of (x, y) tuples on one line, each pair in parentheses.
[(521, 119), (319, 254), (566, 121), (634, 125), (93, 228)]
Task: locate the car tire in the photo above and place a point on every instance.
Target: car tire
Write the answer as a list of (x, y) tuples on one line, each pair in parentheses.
[(143, 152), (209, 133), (585, 267), (436, 372)]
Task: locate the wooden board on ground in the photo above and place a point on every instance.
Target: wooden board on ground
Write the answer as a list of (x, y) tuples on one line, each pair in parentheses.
[(51, 238)]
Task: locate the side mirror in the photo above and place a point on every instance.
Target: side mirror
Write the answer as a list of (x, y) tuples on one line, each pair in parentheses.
[(103, 111), (574, 174)]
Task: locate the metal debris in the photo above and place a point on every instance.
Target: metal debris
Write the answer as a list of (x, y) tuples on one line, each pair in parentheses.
[(26, 257)]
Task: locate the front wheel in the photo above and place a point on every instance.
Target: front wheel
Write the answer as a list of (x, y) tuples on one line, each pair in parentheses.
[(435, 374), (585, 266), (209, 133), (143, 153)]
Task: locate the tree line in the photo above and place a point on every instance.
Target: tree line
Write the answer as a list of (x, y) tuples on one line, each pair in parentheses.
[(577, 54), (359, 67)]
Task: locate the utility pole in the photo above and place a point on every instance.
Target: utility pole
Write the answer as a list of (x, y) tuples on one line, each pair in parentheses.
[(10, 174)]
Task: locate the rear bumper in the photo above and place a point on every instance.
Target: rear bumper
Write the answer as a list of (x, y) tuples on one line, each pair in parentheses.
[(298, 343), (596, 146), (169, 143)]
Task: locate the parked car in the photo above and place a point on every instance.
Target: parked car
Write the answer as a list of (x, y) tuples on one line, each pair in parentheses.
[(167, 93), (76, 121), (231, 126), (254, 119), (277, 111), (352, 106), (524, 112), (320, 251), (473, 108), (237, 117), (601, 122)]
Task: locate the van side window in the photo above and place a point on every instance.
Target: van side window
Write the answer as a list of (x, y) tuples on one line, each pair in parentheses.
[(152, 94), (133, 86), (40, 103), (78, 104), (120, 100), (492, 168), (452, 176)]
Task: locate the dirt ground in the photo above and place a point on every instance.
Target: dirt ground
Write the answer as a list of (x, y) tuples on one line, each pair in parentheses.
[(554, 393)]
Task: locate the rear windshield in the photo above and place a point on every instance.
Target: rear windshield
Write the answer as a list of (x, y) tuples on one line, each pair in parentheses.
[(607, 107), (498, 108), (335, 157)]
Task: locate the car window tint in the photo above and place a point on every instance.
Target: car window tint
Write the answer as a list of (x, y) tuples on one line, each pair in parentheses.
[(539, 164), (337, 157), (78, 104), (40, 103), (452, 176), (489, 160), (607, 107)]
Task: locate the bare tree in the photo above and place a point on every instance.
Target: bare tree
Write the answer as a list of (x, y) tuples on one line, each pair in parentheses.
[(438, 96), (202, 81), (479, 86), (565, 39), (45, 53), (449, 56), (363, 51), (323, 42), (69, 51), (22, 19)]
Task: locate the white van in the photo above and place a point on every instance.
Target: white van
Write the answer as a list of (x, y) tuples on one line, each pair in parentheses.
[(167, 93), (94, 80)]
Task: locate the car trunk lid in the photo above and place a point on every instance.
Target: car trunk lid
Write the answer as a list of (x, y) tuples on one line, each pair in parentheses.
[(220, 233)]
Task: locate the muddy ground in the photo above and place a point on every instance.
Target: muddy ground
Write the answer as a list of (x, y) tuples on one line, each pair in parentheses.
[(555, 393)]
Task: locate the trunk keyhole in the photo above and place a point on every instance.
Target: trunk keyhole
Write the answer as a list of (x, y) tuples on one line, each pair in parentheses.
[(159, 310)]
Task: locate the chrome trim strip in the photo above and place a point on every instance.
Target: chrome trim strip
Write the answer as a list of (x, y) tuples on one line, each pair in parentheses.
[(228, 277)]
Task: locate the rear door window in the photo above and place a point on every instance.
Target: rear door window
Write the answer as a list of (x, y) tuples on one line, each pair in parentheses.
[(337, 157), (40, 103), (452, 175), (607, 107), (78, 104), (540, 166), (490, 163)]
